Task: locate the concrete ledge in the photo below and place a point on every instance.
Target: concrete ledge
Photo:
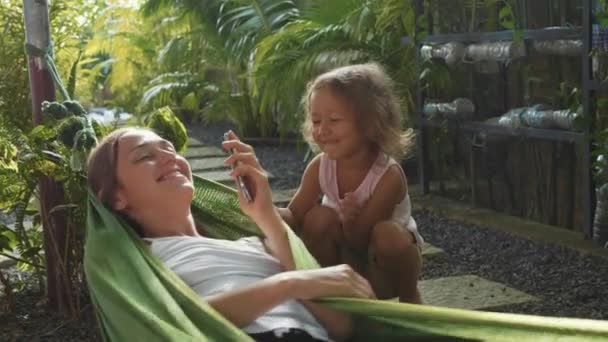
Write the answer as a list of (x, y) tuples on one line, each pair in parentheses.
[(221, 176), (207, 164), (194, 142), (495, 220), (204, 151), (469, 292)]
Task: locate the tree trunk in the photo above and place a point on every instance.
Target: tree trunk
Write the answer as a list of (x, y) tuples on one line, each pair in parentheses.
[(37, 30)]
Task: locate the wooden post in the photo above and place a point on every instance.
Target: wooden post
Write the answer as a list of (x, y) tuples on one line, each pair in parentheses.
[(37, 31)]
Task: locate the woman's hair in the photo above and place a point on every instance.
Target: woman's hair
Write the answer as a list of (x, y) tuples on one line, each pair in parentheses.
[(102, 170), (369, 91), (102, 166)]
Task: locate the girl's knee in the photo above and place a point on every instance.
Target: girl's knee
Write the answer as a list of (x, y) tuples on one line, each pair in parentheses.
[(390, 239), (319, 222)]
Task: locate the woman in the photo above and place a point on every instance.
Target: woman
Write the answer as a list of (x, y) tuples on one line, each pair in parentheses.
[(250, 282)]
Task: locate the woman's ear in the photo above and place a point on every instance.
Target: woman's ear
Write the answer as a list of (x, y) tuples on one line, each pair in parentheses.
[(120, 201)]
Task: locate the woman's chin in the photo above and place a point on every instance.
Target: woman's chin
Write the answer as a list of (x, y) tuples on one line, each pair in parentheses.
[(178, 192), (176, 182)]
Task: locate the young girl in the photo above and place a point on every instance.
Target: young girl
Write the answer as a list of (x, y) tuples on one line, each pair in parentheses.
[(353, 117)]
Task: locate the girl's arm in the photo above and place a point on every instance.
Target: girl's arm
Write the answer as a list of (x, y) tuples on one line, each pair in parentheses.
[(389, 192), (305, 198)]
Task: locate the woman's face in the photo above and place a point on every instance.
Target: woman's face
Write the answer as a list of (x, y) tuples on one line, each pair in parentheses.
[(150, 175)]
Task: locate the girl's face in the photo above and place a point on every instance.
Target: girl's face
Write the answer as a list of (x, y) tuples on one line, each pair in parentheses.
[(151, 175), (334, 125)]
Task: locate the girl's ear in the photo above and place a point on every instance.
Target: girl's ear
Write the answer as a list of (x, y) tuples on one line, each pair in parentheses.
[(371, 132)]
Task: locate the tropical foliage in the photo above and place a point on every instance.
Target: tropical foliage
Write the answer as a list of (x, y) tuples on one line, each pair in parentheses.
[(14, 86), (28, 153), (247, 61), (25, 159), (166, 124), (70, 31)]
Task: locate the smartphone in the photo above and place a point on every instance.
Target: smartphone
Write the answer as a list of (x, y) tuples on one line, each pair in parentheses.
[(240, 182)]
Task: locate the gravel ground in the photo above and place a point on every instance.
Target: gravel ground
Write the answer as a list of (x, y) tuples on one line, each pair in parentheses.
[(568, 282)]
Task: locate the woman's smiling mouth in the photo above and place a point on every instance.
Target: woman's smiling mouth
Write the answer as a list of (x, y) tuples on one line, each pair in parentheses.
[(170, 175)]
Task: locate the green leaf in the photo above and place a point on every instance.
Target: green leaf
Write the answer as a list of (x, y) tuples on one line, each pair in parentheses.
[(8, 239), (30, 253), (77, 160), (506, 18), (190, 101), (5, 244), (423, 22)]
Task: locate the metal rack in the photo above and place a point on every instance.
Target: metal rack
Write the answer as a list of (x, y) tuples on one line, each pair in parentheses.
[(589, 87), (507, 35)]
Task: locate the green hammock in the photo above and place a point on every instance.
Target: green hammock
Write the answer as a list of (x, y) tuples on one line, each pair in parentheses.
[(137, 299)]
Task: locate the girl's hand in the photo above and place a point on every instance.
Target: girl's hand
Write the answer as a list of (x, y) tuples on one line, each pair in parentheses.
[(335, 281), (350, 208), (247, 166)]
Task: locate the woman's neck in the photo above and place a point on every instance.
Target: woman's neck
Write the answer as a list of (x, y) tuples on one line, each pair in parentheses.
[(171, 225)]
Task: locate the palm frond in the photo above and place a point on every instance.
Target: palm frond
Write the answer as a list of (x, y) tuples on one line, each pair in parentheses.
[(327, 13), (170, 89), (365, 31), (247, 22)]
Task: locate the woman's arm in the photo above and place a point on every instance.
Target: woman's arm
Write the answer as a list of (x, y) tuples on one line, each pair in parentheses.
[(262, 211), (338, 324), (244, 305), (277, 240)]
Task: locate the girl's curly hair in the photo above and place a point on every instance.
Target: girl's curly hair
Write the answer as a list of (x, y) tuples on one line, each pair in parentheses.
[(369, 90)]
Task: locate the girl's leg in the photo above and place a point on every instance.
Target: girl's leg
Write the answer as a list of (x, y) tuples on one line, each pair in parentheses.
[(394, 263), (321, 233)]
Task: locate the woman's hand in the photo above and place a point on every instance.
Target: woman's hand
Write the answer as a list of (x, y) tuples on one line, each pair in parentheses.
[(335, 281), (247, 166)]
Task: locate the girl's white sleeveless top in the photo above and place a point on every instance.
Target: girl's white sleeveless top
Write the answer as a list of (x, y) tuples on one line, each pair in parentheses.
[(402, 214)]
